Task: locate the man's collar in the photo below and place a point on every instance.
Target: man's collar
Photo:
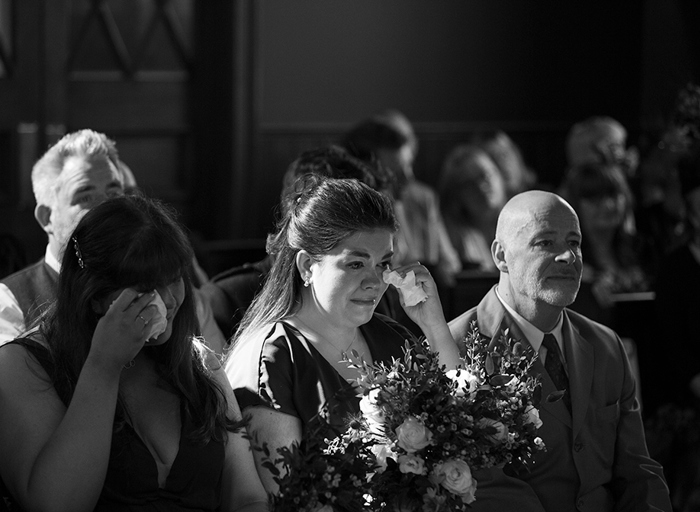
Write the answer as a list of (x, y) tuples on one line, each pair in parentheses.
[(51, 260), (532, 333)]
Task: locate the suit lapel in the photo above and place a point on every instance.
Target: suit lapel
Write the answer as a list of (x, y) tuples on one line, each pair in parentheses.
[(580, 365), (492, 319)]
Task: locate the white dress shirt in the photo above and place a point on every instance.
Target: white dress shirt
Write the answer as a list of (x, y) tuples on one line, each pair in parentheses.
[(534, 335), (11, 315)]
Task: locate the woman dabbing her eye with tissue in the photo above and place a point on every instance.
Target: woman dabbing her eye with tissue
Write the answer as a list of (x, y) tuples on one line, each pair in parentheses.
[(331, 251), (113, 402)]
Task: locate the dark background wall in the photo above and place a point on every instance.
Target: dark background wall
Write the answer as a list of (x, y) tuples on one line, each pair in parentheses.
[(210, 101), (455, 68)]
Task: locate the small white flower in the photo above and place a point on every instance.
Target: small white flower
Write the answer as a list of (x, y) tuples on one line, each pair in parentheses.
[(533, 416), (368, 405), (410, 463), (381, 453), (467, 383)]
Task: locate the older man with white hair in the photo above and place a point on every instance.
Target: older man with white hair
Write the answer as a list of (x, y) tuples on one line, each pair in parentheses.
[(76, 174)]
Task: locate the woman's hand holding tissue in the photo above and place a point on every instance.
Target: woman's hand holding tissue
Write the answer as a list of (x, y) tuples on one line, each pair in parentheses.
[(129, 322), (419, 298), (418, 294)]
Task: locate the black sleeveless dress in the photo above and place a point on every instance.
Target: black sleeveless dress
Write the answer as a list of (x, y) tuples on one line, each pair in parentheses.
[(131, 483)]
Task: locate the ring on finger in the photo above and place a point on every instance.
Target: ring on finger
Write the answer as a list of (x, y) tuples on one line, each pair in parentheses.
[(144, 320)]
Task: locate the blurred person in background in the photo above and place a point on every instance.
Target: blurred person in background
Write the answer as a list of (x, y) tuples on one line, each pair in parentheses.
[(674, 432), (615, 258), (661, 210), (601, 140), (506, 154), (472, 192), (389, 139)]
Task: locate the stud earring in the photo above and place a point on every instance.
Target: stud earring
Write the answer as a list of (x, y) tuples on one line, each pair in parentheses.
[(307, 281)]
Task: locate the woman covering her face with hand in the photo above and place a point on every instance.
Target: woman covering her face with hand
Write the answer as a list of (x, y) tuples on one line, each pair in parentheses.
[(317, 304), (113, 402)]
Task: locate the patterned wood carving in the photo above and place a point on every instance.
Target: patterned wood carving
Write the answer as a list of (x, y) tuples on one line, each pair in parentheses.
[(131, 38), (6, 38)]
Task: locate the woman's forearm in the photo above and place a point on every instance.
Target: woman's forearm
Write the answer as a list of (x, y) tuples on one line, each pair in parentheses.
[(442, 342), (69, 471)]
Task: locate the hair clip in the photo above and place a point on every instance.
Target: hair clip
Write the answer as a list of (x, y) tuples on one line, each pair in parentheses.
[(77, 253)]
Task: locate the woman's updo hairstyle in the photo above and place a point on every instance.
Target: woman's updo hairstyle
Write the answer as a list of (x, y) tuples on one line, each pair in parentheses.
[(322, 213)]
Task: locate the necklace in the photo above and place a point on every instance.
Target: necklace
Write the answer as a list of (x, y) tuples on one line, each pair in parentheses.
[(321, 338), (129, 364)]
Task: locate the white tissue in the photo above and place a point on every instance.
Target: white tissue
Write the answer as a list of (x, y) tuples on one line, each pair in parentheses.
[(411, 292), (158, 323)]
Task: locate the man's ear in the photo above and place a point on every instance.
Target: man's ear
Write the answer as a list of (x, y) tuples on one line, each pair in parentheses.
[(42, 214), (498, 253), (304, 262)]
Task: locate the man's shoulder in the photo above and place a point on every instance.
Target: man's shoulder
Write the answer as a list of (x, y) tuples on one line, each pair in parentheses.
[(586, 326), (460, 326), (28, 273)]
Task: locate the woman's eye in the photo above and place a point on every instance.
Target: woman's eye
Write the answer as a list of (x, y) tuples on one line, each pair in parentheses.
[(575, 243), (356, 265), (385, 265)]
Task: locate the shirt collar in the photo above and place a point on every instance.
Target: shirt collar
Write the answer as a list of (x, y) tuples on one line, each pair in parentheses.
[(532, 333), (51, 260)]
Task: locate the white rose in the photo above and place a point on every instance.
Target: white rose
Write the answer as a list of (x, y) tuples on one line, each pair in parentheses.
[(501, 433), (467, 383), (381, 453), (455, 476), (412, 435), (532, 415), (410, 463)]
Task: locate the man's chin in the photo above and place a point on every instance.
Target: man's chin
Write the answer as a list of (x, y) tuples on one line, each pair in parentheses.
[(560, 298)]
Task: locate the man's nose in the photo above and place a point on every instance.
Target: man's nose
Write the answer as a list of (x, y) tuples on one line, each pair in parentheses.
[(567, 256)]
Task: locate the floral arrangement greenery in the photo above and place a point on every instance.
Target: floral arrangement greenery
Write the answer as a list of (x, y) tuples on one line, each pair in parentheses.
[(429, 429), (326, 472)]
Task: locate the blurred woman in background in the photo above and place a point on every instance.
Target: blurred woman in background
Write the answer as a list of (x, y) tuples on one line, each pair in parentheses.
[(472, 194), (615, 259)]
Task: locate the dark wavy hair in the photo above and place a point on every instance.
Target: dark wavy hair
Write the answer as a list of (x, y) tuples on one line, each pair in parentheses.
[(136, 242), (325, 212), (333, 161), (593, 181)]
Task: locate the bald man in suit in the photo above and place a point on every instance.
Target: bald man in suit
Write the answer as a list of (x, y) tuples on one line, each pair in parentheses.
[(596, 457)]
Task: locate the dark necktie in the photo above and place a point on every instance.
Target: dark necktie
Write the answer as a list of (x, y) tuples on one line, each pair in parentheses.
[(555, 368)]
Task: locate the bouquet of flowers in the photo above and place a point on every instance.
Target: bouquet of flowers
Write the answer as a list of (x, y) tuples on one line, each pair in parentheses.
[(326, 472), (428, 429)]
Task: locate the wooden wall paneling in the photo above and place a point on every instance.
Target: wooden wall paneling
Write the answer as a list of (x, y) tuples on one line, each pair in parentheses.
[(20, 113), (127, 73)]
